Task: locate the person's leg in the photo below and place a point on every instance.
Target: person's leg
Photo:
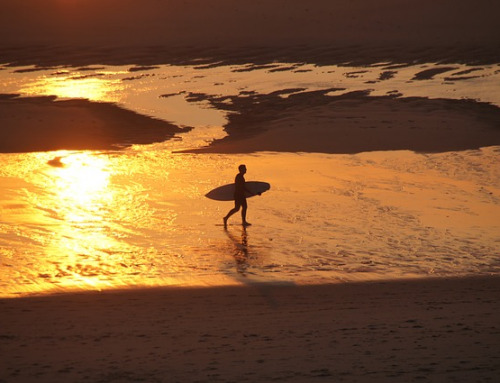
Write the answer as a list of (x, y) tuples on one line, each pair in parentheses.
[(231, 212), (244, 213)]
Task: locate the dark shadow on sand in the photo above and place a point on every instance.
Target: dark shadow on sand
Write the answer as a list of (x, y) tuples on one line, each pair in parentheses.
[(354, 332)]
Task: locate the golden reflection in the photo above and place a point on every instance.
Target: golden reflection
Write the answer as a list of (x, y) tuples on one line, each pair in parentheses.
[(83, 239), (75, 86), (97, 222), (240, 254), (81, 180)]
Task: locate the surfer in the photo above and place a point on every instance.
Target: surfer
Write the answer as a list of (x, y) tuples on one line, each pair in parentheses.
[(240, 200)]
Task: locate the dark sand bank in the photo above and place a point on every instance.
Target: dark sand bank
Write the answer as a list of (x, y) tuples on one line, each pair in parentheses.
[(44, 123), (353, 123), (54, 32), (302, 122), (432, 330)]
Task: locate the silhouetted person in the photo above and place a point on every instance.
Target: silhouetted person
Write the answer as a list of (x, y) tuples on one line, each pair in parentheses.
[(240, 199)]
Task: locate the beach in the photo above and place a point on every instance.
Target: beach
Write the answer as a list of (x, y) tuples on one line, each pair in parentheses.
[(374, 256), (432, 330)]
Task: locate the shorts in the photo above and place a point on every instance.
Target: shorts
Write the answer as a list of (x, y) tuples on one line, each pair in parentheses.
[(240, 202)]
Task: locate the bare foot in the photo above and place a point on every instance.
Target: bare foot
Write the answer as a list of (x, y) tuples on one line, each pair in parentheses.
[(247, 224)]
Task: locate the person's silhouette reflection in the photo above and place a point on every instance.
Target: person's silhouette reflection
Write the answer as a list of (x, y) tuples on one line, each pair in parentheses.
[(240, 254)]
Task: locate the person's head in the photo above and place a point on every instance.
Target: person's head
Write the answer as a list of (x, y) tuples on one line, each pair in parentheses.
[(242, 168)]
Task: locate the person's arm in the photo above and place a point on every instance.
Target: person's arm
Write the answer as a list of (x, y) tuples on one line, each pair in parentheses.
[(250, 192)]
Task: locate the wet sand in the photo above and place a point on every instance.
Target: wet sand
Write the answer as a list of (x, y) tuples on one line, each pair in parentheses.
[(354, 123), (304, 122), (223, 31), (42, 124), (432, 330)]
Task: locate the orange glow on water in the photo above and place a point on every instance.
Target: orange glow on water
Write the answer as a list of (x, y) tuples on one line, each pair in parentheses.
[(82, 181), (95, 220), (85, 220), (66, 85)]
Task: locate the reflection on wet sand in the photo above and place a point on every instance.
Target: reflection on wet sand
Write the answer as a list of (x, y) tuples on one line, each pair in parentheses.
[(90, 220), (72, 85), (77, 222), (73, 194), (137, 217), (208, 97), (82, 202), (241, 254), (80, 182)]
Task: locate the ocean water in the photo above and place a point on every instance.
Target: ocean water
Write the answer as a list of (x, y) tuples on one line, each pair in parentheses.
[(88, 220)]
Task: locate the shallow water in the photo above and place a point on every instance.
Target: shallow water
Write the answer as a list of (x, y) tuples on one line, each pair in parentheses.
[(163, 91), (137, 217)]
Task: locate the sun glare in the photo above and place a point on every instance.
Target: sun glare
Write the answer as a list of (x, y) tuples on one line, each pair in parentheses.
[(81, 179), (66, 86)]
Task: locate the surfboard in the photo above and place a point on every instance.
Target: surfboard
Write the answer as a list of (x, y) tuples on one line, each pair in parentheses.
[(226, 192)]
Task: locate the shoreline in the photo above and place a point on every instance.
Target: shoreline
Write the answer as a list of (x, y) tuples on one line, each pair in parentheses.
[(43, 56), (226, 30), (431, 329)]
